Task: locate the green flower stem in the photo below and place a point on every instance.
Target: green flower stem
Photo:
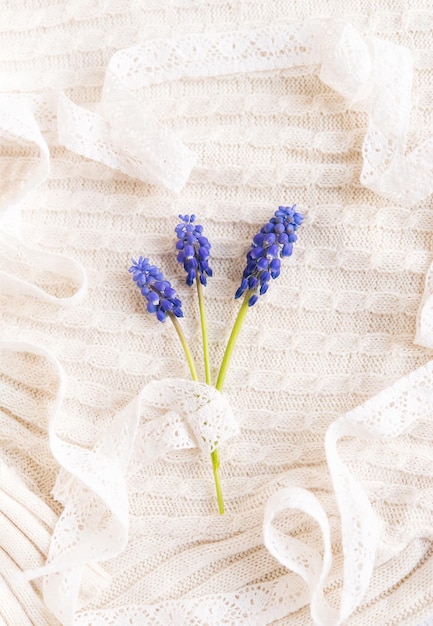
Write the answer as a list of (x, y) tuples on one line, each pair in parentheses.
[(215, 456), (185, 345), (226, 362), (232, 342), (203, 331), (189, 358)]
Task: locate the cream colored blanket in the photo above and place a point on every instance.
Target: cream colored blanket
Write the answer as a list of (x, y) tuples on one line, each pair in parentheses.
[(116, 117)]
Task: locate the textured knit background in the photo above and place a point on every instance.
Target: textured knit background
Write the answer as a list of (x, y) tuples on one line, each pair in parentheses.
[(336, 328)]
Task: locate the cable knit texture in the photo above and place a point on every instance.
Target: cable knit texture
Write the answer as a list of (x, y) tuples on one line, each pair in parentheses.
[(115, 118)]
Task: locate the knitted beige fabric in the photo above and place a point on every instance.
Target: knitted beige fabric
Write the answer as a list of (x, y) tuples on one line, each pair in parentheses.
[(325, 421)]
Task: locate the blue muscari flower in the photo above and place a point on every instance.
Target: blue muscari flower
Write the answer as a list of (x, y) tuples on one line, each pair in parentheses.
[(274, 240), (160, 295), (193, 250)]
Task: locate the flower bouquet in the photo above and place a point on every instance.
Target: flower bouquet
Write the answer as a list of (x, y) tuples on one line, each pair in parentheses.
[(273, 242)]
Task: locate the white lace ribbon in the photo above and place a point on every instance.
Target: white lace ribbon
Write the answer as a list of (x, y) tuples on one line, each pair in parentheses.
[(391, 413), (171, 415), (19, 123), (191, 414), (94, 524), (297, 556), (125, 134)]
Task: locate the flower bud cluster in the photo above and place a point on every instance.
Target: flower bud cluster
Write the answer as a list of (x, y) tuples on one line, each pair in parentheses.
[(274, 241), (160, 295), (193, 250)]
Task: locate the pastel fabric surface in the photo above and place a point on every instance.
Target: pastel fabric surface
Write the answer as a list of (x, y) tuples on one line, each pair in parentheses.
[(116, 117)]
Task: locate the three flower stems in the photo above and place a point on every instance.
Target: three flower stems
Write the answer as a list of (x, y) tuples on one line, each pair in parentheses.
[(274, 241), (223, 369)]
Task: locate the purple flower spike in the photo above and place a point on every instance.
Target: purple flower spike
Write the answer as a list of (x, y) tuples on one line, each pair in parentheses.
[(193, 250), (274, 241), (160, 295)]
